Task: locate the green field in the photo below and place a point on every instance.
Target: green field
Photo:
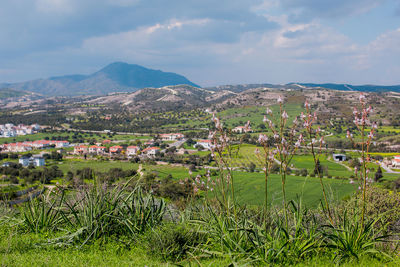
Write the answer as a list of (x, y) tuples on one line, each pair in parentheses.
[(240, 115), (250, 189)]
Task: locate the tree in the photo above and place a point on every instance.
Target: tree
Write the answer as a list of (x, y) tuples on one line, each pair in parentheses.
[(378, 175)]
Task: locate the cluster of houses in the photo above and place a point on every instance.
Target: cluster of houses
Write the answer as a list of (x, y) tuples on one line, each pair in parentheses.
[(171, 137), (30, 145), (11, 130), (130, 151), (242, 129)]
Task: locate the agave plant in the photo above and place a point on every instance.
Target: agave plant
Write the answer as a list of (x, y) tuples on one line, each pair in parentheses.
[(353, 239), (42, 213)]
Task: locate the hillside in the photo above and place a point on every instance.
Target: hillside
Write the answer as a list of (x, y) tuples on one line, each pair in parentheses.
[(298, 86), (7, 93), (116, 77), (164, 98)]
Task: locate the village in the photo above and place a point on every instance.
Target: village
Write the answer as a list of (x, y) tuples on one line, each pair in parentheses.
[(11, 130)]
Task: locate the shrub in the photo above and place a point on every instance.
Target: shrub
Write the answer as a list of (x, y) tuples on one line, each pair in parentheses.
[(173, 242)]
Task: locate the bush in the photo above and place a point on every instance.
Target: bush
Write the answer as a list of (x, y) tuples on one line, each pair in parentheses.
[(172, 242)]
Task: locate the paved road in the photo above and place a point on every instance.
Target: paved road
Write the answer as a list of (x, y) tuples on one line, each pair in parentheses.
[(387, 169), (176, 144)]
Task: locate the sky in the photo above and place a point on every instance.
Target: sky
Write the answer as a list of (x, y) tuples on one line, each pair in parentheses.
[(210, 42)]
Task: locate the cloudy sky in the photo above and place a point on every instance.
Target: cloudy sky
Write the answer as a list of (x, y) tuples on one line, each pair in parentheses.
[(210, 42)]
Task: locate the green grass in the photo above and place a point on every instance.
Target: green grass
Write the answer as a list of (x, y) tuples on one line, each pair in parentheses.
[(102, 166), (250, 188), (19, 250)]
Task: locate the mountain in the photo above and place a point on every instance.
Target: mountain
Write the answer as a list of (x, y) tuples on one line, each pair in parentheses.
[(115, 77)]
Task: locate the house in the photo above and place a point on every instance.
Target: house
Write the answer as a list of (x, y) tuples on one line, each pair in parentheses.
[(339, 157), (106, 141), (92, 149), (40, 143), (242, 129), (115, 149), (81, 149), (132, 150), (24, 161), (36, 161), (396, 161), (204, 143), (97, 149), (171, 136), (16, 147), (151, 151), (60, 144)]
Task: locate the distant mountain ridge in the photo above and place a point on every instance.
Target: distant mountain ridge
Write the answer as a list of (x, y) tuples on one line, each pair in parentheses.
[(296, 86), (350, 87), (115, 77)]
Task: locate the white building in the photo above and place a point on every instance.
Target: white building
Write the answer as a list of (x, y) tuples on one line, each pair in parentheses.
[(132, 151), (242, 129), (151, 151), (204, 143), (396, 161), (36, 161), (171, 136)]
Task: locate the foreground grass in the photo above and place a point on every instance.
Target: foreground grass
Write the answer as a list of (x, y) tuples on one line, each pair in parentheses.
[(21, 249)]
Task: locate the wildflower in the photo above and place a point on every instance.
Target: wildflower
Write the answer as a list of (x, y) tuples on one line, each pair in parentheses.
[(284, 115), (371, 134), (374, 125), (262, 138), (351, 181), (306, 104), (269, 111), (313, 141), (279, 100), (276, 136), (247, 126), (256, 151), (265, 119), (297, 144), (283, 141), (361, 97)]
